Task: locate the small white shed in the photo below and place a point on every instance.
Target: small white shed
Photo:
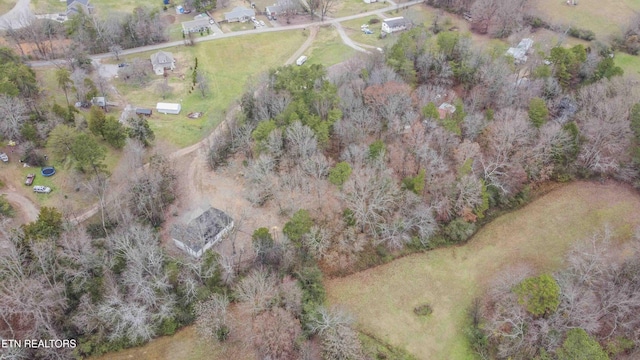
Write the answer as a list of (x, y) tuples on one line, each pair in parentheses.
[(168, 108)]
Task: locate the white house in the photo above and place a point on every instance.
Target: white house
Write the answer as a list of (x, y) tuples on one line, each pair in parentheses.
[(202, 232), (168, 108), (520, 52), (394, 24), (239, 13), (162, 60)]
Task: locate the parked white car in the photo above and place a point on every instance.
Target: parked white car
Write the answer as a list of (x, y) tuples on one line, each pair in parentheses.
[(301, 60), (41, 189)]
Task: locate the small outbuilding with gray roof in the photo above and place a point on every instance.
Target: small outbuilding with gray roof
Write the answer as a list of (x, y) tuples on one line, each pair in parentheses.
[(202, 231)]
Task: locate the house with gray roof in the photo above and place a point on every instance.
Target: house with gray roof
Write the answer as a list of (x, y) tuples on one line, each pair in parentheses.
[(272, 11), (162, 60), (200, 232), (394, 24), (196, 26), (75, 7), (239, 13), (520, 52)]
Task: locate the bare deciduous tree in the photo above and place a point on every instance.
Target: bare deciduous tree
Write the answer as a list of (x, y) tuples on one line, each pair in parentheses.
[(276, 331), (257, 291), (213, 317), (14, 113)]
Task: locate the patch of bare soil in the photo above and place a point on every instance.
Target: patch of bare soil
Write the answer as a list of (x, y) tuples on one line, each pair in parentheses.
[(222, 189), (294, 20)]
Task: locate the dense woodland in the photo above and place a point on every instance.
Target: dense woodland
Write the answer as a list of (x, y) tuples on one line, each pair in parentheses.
[(364, 167)]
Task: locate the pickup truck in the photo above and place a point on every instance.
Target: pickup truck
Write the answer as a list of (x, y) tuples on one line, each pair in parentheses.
[(30, 178)]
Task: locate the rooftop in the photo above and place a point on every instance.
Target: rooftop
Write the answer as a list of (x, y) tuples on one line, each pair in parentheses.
[(202, 228), (396, 21)]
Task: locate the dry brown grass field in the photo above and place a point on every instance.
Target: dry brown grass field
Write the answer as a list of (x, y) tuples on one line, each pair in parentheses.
[(383, 298)]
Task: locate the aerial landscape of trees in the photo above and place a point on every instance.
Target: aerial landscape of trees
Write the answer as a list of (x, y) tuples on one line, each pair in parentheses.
[(404, 150)]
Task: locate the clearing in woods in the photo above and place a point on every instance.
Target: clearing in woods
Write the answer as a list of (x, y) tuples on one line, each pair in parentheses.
[(602, 17), (383, 298)]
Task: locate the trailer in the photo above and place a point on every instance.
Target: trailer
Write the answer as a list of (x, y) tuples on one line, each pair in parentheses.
[(168, 108)]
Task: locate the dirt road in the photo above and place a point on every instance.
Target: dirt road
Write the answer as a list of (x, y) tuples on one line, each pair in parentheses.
[(24, 207), (312, 36)]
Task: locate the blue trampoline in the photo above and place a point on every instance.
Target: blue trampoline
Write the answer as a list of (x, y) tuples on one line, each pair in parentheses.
[(48, 171)]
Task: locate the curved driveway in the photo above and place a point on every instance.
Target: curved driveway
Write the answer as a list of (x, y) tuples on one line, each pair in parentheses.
[(18, 17)]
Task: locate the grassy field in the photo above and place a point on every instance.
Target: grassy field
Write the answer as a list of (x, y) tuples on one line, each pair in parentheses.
[(383, 298), (184, 345), (328, 49), (101, 7), (602, 17), (6, 5), (629, 63), (228, 63), (352, 7), (352, 28)]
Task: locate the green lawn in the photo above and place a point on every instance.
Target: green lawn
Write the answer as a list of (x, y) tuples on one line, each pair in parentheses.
[(48, 6), (6, 5), (383, 298), (353, 30), (352, 7), (228, 63), (101, 7), (328, 49), (629, 63), (63, 184), (602, 17)]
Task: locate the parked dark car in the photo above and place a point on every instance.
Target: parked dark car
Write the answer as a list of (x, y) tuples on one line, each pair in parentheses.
[(30, 178)]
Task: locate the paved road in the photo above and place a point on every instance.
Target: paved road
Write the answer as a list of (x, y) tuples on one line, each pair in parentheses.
[(232, 34), (18, 17)]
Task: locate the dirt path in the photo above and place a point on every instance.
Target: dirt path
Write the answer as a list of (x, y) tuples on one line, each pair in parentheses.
[(312, 36), (27, 210)]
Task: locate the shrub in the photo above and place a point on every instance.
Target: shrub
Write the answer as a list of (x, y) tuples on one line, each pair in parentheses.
[(5, 208), (458, 230), (415, 183), (583, 34), (299, 225), (538, 112), (376, 149), (374, 21), (539, 295), (348, 217), (423, 310), (579, 345), (340, 173), (97, 231)]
